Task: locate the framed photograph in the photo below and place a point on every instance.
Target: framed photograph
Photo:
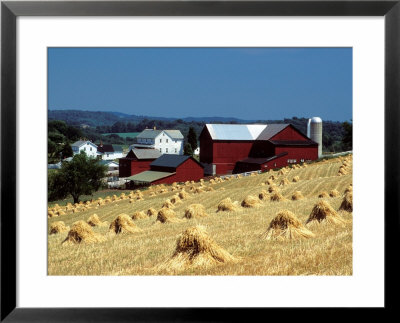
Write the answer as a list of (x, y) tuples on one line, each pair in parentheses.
[(192, 155)]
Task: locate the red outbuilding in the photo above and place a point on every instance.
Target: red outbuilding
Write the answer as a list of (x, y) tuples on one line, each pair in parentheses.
[(168, 169), (137, 161), (227, 148)]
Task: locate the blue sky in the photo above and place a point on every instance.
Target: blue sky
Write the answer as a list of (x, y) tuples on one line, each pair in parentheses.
[(246, 83)]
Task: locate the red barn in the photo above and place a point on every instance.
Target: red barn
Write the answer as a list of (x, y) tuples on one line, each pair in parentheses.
[(137, 161), (168, 169), (226, 148)]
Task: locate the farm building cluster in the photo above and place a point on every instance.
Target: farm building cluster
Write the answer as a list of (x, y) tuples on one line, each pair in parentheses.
[(224, 149), (157, 157)]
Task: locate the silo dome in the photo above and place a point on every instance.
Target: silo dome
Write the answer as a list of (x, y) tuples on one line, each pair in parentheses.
[(314, 132), (316, 120)]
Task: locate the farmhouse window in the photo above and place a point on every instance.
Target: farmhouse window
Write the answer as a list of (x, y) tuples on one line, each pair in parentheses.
[(160, 140), (176, 150), (166, 150), (167, 140), (160, 150)]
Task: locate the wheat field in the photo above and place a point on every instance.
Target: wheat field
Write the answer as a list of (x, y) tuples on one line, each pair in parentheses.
[(239, 232)]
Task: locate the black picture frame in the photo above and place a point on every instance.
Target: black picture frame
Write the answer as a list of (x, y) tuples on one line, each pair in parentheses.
[(10, 10)]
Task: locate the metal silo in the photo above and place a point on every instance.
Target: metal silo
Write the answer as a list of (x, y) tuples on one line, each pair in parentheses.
[(314, 132)]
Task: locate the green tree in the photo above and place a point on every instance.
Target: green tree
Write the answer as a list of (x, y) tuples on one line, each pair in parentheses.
[(81, 176), (66, 151), (187, 150), (192, 138), (347, 139)]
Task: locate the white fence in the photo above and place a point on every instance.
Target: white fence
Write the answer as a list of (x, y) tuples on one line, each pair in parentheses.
[(241, 174)]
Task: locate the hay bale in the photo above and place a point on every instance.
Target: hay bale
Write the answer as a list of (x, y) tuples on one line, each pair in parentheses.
[(286, 225), (60, 212), (123, 224), (195, 248), (263, 195), (297, 196), (82, 232), (284, 182), (324, 213), (250, 201), (347, 203), (195, 211), (167, 216), (176, 199), (198, 190), (94, 220), (272, 189), (276, 197), (282, 172), (151, 212), (138, 215), (51, 214), (295, 179), (323, 195), (226, 205), (58, 227), (183, 195), (269, 182), (272, 177), (348, 189), (334, 193), (167, 204), (342, 171), (208, 189)]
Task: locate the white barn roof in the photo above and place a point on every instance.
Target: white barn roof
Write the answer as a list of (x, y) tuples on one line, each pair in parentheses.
[(235, 131)]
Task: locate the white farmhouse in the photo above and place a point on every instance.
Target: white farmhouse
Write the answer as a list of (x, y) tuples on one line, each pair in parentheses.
[(165, 141), (109, 152), (86, 146)]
